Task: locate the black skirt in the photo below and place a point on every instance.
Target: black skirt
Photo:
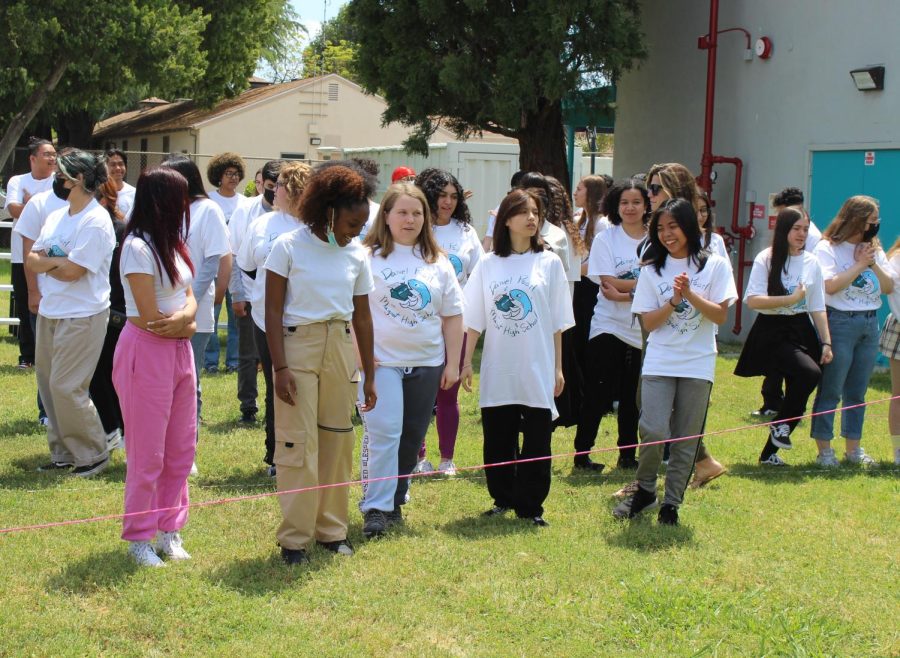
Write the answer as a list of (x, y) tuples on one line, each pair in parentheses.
[(769, 331)]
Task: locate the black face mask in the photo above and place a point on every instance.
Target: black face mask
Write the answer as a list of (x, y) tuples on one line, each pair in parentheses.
[(60, 189), (269, 196), (870, 232)]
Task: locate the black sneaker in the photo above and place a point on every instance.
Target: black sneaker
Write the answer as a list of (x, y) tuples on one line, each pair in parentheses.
[(780, 435), (764, 412), (584, 462), (294, 556), (627, 463), (668, 515), (341, 547), (394, 517), (496, 510), (270, 470), (55, 466), (641, 501), (539, 521), (374, 523), (248, 418), (91, 469)]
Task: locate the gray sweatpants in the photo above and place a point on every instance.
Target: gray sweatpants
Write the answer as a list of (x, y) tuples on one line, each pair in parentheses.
[(672, 407)]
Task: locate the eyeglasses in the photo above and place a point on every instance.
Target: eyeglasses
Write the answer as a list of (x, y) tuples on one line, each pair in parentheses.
[(281, 184), (232, 174), (655, 188), (704, 212)]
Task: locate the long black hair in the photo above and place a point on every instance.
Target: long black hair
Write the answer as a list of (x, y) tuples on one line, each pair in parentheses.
[(778, 260), (187, 168), (683, 213)]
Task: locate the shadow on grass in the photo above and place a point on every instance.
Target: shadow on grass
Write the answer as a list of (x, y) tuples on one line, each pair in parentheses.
[(100, 571), (645, 535), (804, 472), (482, 527), (26, 476), (267, 575)]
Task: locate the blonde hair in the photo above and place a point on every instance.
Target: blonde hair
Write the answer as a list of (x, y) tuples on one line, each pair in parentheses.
[(851, 219), (294, 176), (893, 248), (379, 236)]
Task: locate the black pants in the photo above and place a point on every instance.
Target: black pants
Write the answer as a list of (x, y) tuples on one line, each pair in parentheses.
[(262, 348), (801, 375), (522, 487), (613, 367), (102, 391), (771, 391), (24, 332)]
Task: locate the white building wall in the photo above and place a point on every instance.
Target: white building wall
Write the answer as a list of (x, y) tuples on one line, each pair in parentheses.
[(769, 112)]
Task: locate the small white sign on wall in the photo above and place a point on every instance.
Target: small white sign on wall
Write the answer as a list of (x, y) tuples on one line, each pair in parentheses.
[(870, 158)]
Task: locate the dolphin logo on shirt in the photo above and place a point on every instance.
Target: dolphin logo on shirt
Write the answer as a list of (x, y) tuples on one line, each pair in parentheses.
[(514, 305), (456, 262), (412, 294), (866, 283)]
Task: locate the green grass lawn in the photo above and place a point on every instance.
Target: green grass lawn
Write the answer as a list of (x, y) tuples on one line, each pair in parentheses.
[(799, 562)]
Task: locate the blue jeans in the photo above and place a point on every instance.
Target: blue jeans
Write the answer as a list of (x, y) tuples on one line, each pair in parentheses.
[(854, 342), (199, 341), (211, 356)]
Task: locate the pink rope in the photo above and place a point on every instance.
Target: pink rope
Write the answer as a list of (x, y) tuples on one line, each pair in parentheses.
[(268, 494)]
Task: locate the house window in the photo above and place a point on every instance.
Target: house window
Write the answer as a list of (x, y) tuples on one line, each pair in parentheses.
[(143, 152), (332, 91), (165, 147), (293, 156)]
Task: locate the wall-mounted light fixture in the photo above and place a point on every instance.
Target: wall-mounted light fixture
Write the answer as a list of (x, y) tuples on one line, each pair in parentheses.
[(315, 141), (870, 78)]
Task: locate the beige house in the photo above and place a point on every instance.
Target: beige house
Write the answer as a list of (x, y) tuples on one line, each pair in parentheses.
[(313, 119)]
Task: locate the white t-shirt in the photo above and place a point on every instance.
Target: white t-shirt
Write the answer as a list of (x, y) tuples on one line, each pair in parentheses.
[(685, 345), (35, 213), (125, 199), (800, 269), (86, 239), (600, 224), (864, 293), (16, 189), (462, 245), (614, 253), (138, 258), (492, 219), (228, 204), (255, 248), (322, 279), (373, 215), (558, 241), (237, 229), (894, 297), (519, 302), (717, 246), (208, 236), (407, 304), (813, 237)]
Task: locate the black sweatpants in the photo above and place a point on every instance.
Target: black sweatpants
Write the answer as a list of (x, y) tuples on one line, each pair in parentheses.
[(521, 487)]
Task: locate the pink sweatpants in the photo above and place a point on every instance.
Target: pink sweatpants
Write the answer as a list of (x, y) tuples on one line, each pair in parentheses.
[(155, 380)]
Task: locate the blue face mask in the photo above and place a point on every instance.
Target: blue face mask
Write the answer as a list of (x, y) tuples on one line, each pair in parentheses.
[(331, 239)]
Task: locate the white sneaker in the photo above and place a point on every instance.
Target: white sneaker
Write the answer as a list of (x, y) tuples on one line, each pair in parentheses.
[(773, 460), (424, 466), (170, 545), (114, 440), (142, 553), (194, 470), (447, 467), (827, 459), (860, 457)]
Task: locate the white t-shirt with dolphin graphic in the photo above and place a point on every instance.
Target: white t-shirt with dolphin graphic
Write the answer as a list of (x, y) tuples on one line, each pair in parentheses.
[(614, 253), (800, 269), (685, 344), (518, 302), (462, 245), (864, 293), (408, 303)]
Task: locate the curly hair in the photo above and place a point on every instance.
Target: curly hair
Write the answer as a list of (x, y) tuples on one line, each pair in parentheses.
[(595, 188), (789, 196), (379, 236), (610, 205), (294, 176), (561, 214), (432, 182), (107, 195), (222, 161), (329, 189)]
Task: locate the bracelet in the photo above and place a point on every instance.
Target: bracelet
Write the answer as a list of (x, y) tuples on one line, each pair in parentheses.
[(466, 365), (279, 369), (670, 302), (826, 344)]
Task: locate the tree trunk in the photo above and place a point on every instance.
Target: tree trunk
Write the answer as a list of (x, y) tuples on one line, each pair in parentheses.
[(75, 128), (542, 142), (32, 106)]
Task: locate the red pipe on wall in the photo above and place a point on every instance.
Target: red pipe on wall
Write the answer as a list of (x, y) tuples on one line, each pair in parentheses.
[(710, 43)]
